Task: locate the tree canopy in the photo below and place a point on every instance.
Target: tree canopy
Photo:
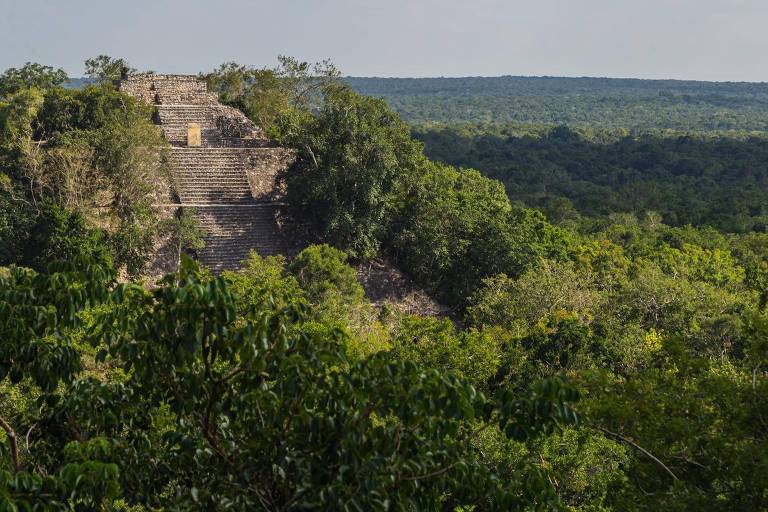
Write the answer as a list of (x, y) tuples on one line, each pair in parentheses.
[(93, 152), (248, 410), (604, 345)]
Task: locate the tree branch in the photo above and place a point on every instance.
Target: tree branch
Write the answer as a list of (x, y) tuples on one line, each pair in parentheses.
[(13, 440), (430, 475), (312, 154), (232, 374), (640, 448)]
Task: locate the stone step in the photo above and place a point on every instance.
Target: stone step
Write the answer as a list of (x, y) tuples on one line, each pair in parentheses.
[(193, 188), (195, 169), (207, 180), (205, 192), (208, 196), (211, 169), (210, 151), (188, 194), (211, 163), (220, 143), (235, 192), (208, 191), (201, 183), (206, 177), (212, 179), (214, 199), (233, 231), (209, 172), (216, 172)]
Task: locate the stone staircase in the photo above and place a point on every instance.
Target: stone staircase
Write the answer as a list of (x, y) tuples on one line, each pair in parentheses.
[(210, 175), (220, 126), (228, 179), (235, 230)]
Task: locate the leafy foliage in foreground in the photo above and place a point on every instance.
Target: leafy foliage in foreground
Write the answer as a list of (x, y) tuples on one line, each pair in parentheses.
[(207, 407)]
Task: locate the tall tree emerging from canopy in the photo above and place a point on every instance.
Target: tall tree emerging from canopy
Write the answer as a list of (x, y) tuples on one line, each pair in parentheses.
[(277, 99), (356, 160), (106, 69)]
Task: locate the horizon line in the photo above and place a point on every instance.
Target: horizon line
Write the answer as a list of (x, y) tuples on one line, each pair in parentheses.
[(459, 77)]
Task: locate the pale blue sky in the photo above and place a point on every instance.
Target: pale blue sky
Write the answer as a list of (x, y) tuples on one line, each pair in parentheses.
[(694, 39)]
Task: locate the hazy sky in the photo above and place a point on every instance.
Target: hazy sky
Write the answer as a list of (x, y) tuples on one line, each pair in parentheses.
[(695, 39)]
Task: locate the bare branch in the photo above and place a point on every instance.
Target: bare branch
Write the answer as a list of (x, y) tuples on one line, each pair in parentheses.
[(640, 448), (432, 474), (13, 440), (26, 438), (312, 154)]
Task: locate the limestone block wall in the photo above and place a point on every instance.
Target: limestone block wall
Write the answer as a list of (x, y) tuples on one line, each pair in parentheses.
[(167, 89), (262, 173)]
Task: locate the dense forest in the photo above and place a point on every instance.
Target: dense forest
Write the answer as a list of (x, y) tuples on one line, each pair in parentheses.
[(613, 357), (607, 102), (575, 148), (713, 179)]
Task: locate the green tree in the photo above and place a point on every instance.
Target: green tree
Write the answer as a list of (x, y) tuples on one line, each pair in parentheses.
[(31, 75), (277, 99), (550, 288), (16, 218), (106, 69), (458, 227), (94, 151), (335, 295), (185, 231), (435, 343), (322, 270), (61, 235), (219, 409), (693, 426), (356, 159), (36, 311)]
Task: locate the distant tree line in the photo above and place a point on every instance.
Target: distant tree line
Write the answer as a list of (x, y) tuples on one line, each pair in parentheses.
[(584, 102)]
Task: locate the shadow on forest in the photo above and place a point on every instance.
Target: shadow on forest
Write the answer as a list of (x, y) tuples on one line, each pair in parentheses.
[(689, 179)]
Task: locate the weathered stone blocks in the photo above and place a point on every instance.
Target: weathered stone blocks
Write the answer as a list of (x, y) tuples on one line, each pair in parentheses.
[(223, 165), (167, 89)]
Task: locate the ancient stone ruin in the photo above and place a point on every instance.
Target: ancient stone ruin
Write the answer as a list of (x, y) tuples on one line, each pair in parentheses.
[(224, 167)]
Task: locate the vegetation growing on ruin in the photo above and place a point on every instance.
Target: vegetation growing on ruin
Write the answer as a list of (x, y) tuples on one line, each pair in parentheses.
[(79, 169), (609, 357)]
